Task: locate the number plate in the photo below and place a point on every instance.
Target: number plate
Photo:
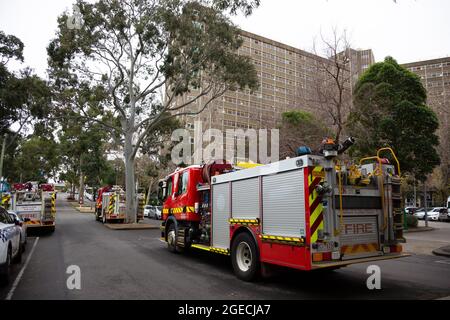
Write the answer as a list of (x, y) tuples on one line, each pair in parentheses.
[(325, 247)]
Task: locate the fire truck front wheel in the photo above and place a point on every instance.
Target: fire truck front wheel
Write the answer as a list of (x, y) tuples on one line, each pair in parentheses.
[(172, 238), (244, 257)]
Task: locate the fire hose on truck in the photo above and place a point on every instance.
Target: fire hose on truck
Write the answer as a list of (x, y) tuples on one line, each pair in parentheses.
[(309, 212)]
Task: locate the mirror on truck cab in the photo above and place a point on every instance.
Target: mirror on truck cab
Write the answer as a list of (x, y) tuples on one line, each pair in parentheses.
[(162, 191)]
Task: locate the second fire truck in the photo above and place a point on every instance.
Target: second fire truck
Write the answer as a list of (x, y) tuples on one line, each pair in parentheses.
[(309, 212), (35, 204), (111, 206)]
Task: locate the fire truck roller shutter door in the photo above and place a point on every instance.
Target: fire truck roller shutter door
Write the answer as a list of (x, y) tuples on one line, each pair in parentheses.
[(220, 216), (284, 204), (245, 199)]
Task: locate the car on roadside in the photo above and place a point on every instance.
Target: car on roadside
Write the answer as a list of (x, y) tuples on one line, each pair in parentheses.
[(444, 214), (10, 238), (147, 209), (433, 214), (410, 210), (157, 212), (20, 223)]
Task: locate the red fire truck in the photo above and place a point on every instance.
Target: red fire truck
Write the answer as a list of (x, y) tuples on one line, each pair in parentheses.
[(309, 212)]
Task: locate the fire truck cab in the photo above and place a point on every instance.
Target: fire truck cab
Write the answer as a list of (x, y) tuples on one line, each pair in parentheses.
[(309, 212)]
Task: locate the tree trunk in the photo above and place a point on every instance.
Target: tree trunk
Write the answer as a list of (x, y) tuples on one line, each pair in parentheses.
[(130, 180), (81, 191)]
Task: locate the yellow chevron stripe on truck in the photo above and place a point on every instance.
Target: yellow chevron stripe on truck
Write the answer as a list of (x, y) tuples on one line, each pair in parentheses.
[(53, 204), (359, 248), (179, 210), (247, 222), (315, 177), (111, 205)]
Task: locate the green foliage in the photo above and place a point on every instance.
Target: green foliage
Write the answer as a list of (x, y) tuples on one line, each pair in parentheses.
[(411, 221), (10, 47), (300, 128), (37, 159), (82, 149), (390, 110), (298, 117)]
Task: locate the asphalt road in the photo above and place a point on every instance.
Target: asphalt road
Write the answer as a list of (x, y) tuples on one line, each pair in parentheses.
[(137, 265)]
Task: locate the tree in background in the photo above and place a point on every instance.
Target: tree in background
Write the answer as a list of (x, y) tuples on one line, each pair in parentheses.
[(135, 49), (83, 153), (390, 110), (300, 128), (332, 84), (25, 102), (37, 159)]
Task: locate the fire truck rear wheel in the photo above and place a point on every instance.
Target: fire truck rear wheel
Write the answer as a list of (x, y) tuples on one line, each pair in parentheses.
[(244, 257)]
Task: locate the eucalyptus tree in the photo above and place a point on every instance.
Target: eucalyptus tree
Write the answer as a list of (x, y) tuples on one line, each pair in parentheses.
[(144, 55)]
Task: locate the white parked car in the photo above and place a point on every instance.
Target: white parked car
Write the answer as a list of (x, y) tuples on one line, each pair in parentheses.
[(10, 238), (433, 214), (147, 209), (20, 223), (157, 212)]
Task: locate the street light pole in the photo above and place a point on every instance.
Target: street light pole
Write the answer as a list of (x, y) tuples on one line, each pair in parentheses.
[(2, 156), (425, 204)]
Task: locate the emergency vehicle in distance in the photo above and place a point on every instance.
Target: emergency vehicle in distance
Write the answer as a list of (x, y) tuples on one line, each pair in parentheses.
[(110, 205), (309, 212), (34, 203)]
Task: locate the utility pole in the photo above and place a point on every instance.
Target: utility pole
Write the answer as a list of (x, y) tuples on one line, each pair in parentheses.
[(425, 204), (2, 156)]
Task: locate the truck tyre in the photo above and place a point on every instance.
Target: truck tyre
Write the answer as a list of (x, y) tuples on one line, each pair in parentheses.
[(5, 270), (244, 257), (172, 240), (103, 219)]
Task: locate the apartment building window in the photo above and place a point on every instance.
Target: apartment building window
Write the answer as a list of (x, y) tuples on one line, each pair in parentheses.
[(267, 75), (228, 99), (242, 102)]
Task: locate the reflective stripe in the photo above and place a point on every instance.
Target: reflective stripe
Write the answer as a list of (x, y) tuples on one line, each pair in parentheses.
[(249, 222), (284, 240), (53, 204), (315, 177), (359, 248), (180, 210), (211, 249), (112, 200)]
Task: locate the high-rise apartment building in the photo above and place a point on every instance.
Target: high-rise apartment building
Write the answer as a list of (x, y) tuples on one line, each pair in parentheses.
[(288, 79), (435, 76), (360, 61)]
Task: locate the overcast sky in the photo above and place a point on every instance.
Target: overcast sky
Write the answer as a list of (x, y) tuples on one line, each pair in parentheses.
[(409, 30)]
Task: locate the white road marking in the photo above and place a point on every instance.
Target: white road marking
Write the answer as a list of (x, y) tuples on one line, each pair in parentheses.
[(443, 262), (444, 298), (19, 276)]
